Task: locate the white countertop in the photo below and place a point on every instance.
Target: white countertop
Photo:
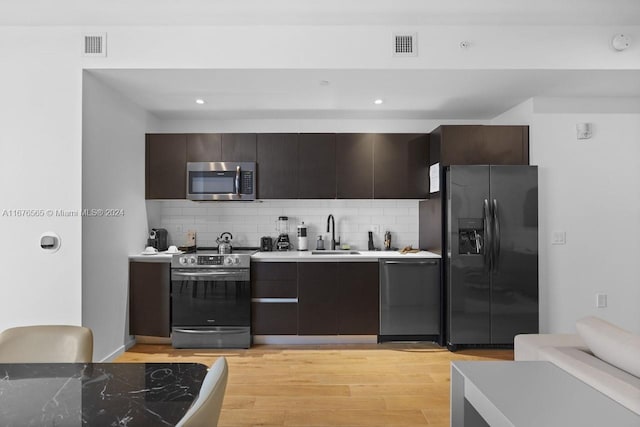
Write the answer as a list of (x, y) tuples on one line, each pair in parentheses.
[(363, 256), (305, 256)]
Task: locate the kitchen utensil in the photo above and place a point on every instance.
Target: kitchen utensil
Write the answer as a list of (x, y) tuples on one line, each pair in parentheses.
[(224, 243), (387, 241), (370, 243), (409, 250), (159, 237), (173, 249), (302, 237), (320, 244), (282, 227), (150, 250), (266, 244)]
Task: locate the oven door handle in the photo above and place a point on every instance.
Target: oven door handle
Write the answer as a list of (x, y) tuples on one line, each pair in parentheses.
[(209, 331), (204, 273)]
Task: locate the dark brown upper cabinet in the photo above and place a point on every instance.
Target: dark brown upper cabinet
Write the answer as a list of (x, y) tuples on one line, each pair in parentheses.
[(166, 166), (277, 158), (204, 147), (354, 166), (239, 147), (477, 145), (317, 163), (400, 166)]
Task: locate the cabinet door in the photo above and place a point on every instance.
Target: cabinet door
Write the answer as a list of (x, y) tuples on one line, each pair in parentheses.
[(317, 161), (485, 145), (204, 147), (166, 166), (149, 297), (354, 166), (463, 145), (358, 298), (274, 318), (401, 166), (277, 166), (239, 147), (507, 145), (317, 298)]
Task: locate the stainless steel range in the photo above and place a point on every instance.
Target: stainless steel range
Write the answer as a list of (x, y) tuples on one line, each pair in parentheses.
[(211, 300)]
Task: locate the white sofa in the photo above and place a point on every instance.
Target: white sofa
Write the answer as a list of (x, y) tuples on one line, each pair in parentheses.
[(600, 354)]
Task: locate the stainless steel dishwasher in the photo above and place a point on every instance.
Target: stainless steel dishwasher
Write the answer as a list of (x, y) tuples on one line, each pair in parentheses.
[(410, 303)]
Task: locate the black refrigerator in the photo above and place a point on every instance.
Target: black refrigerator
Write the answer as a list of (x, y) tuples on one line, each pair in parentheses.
[(491, 254)]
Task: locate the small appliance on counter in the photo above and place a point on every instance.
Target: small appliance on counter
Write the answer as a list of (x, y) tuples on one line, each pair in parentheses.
[(159, 239), (302, 237), (224, 243), (266, 244), (282, 227)]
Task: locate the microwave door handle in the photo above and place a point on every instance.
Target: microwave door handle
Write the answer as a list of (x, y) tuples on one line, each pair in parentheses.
[(238, 180)]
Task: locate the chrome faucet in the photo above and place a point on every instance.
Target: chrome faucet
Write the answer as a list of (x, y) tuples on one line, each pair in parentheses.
[(331, 225)]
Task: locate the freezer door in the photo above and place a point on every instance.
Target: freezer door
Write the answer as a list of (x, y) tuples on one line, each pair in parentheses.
[(467, 272), (514, 287)]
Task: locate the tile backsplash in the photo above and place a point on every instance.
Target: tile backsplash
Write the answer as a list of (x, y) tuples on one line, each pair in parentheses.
[(248, 221)]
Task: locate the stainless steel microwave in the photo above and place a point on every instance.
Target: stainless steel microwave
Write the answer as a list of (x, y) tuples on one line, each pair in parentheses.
[(221, 180)]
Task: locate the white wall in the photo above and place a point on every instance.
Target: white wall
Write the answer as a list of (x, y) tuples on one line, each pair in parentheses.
[(248, 221), (588, 189), (40, 168), (113, 153)]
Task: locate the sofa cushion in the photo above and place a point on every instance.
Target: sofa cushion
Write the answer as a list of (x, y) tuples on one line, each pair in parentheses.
[(615, 383), (610, 343), (527, 346)]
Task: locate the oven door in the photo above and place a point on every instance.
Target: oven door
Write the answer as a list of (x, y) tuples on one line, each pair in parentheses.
[(210, 308)]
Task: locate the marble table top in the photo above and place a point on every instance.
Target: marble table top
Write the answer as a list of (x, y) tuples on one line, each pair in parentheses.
[(97, 394)]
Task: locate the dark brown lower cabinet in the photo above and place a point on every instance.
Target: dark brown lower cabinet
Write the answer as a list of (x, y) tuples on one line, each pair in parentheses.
[(274, 318), (317, 298), (149, 299), (358, 298), (274, 289), (338, 298)]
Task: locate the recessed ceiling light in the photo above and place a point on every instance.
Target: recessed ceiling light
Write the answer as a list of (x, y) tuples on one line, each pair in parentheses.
[(324, 82), (378, 101), (200, 101)]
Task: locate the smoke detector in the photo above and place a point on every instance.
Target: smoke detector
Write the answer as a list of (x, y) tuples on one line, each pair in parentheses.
[(94, 44), (405, 44)]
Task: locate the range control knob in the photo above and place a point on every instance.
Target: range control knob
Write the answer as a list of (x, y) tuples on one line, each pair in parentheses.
[(228, 260), (191, 260), (183, 260), (236, 261)]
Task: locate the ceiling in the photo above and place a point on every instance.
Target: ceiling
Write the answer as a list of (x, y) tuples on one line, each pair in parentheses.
[(409, 94), (325, 12), (340, 94)]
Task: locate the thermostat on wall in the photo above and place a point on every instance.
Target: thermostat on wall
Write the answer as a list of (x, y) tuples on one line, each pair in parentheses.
[(50, 242)]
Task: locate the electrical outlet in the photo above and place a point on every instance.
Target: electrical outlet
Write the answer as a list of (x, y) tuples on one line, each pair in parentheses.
[(375, 228), (558, 238), (601, 300)]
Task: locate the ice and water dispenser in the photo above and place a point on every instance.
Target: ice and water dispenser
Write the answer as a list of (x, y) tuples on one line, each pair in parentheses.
[(471, 236)]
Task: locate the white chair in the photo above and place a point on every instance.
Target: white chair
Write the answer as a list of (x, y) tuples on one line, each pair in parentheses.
[(46, 344), (205, 410)]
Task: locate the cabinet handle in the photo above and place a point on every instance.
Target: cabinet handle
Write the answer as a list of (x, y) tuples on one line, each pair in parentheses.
[(275, 300), (208, 331), (411, 262), (238, 180)]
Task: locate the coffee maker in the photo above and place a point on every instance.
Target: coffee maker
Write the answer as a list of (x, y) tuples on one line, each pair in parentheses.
[(282, 227), (159, 239)]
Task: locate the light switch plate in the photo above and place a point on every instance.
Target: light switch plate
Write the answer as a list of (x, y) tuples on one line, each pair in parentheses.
[(601, 300), (558, 238)]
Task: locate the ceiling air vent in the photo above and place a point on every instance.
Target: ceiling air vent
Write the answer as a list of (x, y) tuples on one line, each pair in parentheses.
[(94, 44), (405, 44)]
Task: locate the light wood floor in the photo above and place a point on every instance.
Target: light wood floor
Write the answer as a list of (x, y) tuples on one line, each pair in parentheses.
[(332, 385)]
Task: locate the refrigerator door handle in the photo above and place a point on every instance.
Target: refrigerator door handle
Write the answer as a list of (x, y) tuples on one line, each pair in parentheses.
[(488, 235), (496, 235)]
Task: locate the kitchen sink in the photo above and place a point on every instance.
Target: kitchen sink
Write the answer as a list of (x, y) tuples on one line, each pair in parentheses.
[(335, 253)]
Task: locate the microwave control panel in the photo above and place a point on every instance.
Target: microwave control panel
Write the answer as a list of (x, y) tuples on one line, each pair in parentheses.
[(247, 182)]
